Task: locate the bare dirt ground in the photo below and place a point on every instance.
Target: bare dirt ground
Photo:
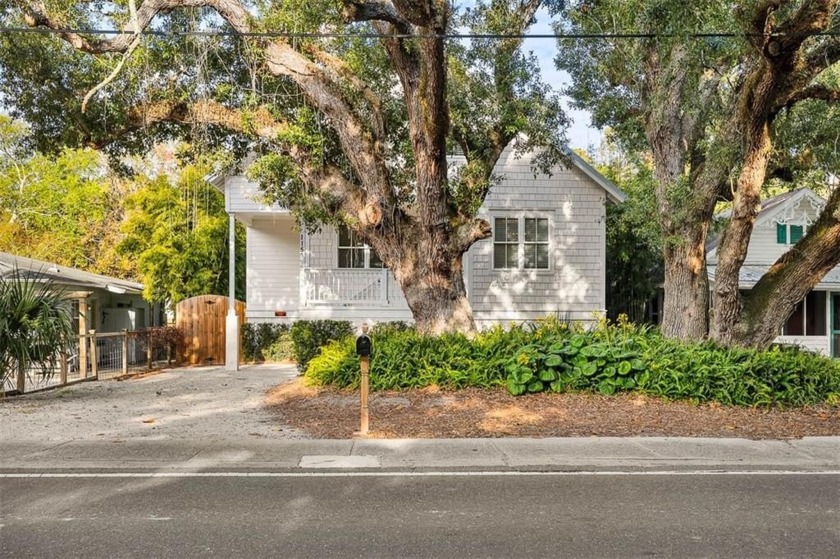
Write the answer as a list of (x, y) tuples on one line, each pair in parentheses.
[(430, 413)]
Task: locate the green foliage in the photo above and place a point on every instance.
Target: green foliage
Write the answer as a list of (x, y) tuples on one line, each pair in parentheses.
[(309, 336), (634, 241), (59, 208), (35, 325), (610, 358), (178, 234), (404, 359), (267, 342)]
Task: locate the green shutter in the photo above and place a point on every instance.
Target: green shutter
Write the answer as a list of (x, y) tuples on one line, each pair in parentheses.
[(781, 233), (796, 232)]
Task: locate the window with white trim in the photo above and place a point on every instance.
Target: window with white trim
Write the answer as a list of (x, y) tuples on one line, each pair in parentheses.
[(353, 253), (520, 242)]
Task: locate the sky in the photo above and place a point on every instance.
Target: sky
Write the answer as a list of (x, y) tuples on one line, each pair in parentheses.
[(581, 133)]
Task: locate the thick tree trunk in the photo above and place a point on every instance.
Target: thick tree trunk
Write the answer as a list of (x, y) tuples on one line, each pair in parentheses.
[(772, 300), (437, 297), (685, 309), (736, 238)]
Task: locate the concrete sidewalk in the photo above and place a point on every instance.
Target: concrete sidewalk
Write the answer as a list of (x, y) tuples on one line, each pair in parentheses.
[(209, 420), (815, 454)]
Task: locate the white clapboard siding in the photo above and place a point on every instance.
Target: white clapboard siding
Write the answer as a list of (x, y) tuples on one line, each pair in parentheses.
[(819, 344), (273, 270), (245, 197)]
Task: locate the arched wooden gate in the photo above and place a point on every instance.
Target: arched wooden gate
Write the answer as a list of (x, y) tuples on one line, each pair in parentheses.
[(202, 320)]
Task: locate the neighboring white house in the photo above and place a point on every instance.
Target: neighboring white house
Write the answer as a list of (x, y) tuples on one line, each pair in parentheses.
[(783, 220), (100, 303), (546, 255)]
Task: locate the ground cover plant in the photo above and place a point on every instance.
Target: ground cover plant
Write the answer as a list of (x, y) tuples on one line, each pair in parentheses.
[(608, 359)]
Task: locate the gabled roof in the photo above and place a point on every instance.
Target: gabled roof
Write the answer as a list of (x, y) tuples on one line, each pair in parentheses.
[(217, 179), (64, 275), (771, 208), (613, 192)]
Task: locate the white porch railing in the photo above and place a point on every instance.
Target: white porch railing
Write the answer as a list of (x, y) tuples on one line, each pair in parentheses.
[(345, 287)]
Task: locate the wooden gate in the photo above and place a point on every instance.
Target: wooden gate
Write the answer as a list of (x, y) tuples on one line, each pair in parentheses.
[(202, 320)]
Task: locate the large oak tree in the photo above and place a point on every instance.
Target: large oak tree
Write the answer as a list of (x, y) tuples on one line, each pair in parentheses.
[(354, 106), (706, 87)]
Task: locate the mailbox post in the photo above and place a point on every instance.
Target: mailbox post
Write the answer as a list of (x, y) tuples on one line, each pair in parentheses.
[(363, 350)]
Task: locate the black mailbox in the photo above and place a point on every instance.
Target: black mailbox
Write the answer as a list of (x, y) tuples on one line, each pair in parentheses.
[(363, 345)]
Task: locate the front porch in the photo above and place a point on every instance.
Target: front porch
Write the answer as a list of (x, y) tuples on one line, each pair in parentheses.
[(342, 287)]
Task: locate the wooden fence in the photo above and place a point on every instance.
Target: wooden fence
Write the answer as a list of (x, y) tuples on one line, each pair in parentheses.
[(202, 321)]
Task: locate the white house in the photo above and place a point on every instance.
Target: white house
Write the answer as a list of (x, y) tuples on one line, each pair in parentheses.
[(546, 255), (782, 221)]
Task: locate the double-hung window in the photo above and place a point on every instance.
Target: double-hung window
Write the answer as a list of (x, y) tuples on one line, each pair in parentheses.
[(353, 253), (520, 243)]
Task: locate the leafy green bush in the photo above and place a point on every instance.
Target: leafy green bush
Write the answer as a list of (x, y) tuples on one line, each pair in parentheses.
[(403, 359), (266, 342), (608, 359), (620, 357), (309, 336)]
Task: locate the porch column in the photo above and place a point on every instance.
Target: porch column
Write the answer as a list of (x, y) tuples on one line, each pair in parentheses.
[(83, 343), (232, 320)]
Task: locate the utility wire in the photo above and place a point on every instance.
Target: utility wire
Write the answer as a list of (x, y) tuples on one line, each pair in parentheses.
[(366, 35)]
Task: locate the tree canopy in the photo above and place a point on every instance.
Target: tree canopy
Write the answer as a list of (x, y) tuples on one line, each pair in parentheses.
[(728, 98), (352, 105), (164, 226), (177, 233)]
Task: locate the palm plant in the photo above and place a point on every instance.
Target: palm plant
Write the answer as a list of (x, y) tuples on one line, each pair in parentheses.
[(35, 326)]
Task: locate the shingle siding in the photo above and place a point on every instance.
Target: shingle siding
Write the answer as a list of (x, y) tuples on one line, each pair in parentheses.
[(573, 286)]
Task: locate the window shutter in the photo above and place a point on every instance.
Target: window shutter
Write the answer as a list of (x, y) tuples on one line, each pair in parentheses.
[(781, 233), (796, 232)]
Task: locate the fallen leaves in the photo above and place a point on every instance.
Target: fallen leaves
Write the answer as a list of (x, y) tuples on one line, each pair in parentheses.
[(438, 413)]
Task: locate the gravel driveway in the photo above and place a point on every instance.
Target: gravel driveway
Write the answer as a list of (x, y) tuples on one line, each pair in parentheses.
[(189, 403)]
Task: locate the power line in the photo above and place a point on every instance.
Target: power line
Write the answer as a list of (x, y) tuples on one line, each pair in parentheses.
[(367, 35)]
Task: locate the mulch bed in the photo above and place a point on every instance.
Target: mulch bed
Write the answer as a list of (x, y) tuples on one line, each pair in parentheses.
[(328, 413)]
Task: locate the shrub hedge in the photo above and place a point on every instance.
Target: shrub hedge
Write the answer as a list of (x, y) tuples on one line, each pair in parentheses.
[(608, 359), (266, 342), (299, 342), (309, 336)]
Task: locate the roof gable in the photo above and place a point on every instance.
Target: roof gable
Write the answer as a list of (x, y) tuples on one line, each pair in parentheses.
[(784, 208)]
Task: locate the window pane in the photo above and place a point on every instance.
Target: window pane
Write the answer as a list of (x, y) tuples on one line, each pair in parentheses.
[(542, 257), (351, 258), (536, 229), (815, 314), (542, 230), (794, 325), (499, 256), (375, 261), (512, 230), (530, 256), (500, 233), (530, 229), (512, 256)]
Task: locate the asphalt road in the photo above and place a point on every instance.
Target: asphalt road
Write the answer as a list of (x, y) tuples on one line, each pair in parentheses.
[(458, 515)]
